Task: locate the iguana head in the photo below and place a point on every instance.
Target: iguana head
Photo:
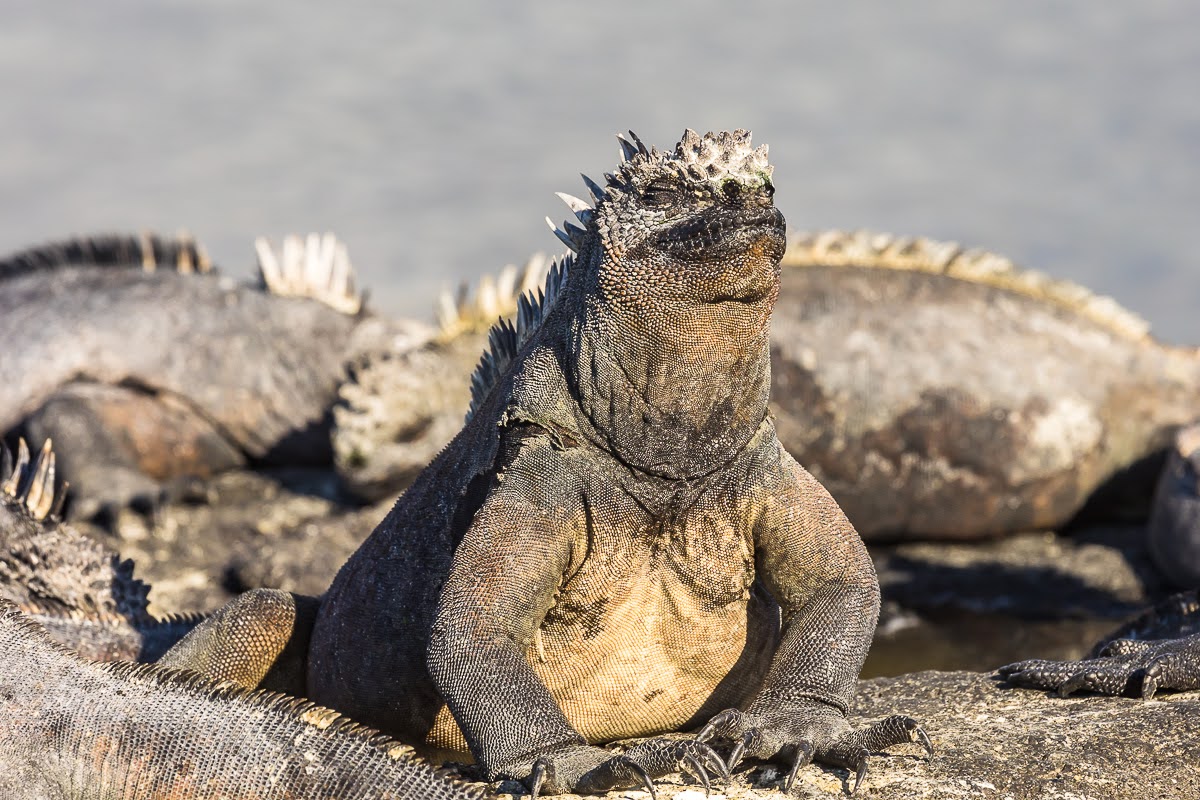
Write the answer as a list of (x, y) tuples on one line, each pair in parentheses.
[(666, 310), (671, 231)]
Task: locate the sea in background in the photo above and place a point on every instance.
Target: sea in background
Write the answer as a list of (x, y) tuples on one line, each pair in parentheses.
[(431, 137)]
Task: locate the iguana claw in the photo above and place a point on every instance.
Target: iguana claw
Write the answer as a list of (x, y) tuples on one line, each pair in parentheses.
[(696, 769), (850, 749), (1123, 666), (591, 770), (804, 757)]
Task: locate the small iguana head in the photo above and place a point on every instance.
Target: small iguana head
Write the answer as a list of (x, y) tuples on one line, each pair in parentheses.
[(672, 231)]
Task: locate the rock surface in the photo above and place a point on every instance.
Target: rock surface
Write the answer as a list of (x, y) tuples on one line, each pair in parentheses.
[(286, 530), (996, 743)]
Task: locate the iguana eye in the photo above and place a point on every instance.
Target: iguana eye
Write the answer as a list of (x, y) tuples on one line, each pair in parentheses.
[(769, 189)]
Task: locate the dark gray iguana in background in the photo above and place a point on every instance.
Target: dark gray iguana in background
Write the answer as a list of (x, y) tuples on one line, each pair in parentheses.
[(157, 369), (616, 545)]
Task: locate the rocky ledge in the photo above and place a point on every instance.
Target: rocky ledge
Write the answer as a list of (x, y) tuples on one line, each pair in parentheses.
[(996, 743)]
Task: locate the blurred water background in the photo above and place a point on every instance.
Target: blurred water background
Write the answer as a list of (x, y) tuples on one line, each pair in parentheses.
[(430, 137)]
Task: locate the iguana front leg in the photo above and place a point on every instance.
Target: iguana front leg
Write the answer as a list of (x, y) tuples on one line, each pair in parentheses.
[(815, 566), (504, 577)]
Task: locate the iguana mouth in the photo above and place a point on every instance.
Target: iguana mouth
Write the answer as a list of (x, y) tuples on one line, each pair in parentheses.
[(715, 235)]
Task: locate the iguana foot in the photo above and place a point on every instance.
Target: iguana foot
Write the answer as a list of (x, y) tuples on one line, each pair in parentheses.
[(584, 769), (821, 734), (1124, 666)]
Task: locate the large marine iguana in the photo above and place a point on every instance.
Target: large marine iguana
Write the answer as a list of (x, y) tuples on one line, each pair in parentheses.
[(616, 544), (157, 374)]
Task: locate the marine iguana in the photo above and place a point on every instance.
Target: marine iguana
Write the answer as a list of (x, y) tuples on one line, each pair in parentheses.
[(72, 729), (616, 545), (157, 374), (942, 392)]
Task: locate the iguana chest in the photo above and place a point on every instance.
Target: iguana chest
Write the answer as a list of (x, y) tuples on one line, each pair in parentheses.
[(658, 619)]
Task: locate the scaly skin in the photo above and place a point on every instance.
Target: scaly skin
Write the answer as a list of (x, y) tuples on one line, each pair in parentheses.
[(75, 587), (944, 393), (616, 544), (1158, 650), (71, 729), (155, 376)]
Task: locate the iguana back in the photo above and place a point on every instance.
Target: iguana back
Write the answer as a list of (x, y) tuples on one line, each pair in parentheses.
[(76, 730), (943, 392)]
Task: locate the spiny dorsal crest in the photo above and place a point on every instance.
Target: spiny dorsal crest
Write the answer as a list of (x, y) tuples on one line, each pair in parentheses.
[(317, 266), (506, 338), (707, 161), (918, 254), (30, 485), (145, 250), (494, 296)]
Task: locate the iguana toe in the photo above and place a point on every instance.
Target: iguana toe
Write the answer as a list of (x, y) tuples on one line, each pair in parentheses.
[(1124, 666), (853, 749)]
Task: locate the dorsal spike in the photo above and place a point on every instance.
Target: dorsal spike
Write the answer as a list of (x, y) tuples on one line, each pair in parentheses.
[(628, 149), (184, 264), (30, 493), (633, 137), (576, 234), (13, 483), (39, 498), (60, 500), (574, 203), (146, 243), (563, 236), (593, 187)]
